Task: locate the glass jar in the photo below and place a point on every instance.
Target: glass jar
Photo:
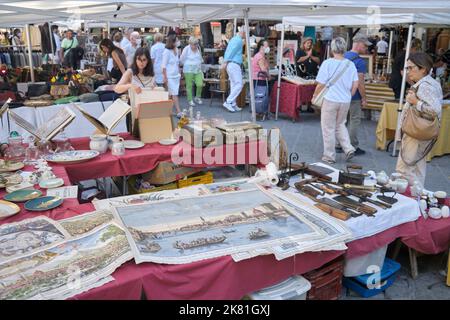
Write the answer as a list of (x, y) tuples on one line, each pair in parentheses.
[(16, 151), (62, 143), (32, 152)]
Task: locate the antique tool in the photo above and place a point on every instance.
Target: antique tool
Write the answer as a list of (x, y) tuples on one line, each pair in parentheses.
[(387, 199), (352, 186), (320, 169), (307, 191), (324, 188), (363, 198), (358, 192), (352, 177), (339, 206), (367, 210), (334, 212)]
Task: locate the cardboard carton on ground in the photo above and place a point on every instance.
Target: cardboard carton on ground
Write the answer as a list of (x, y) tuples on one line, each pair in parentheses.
[(167, 172), (154, 121)]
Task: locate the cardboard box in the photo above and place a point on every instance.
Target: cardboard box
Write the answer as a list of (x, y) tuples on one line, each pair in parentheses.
[(147, 95), (167, 172), (154, 121)]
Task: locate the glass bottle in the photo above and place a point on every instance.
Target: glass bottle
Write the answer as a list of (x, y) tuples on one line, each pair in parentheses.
[(45, 148), (198, 116), (62, 143), (32, 152), (15, 152)]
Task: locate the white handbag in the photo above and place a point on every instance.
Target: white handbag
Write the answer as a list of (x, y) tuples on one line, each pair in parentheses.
[(317, 101)]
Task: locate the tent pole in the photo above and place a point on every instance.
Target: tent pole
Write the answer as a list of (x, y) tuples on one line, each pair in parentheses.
[(280, 62), (51, 42), (389, 68), (249, 62), (234, 26), (30, 52), (402, 92), (108, 29)]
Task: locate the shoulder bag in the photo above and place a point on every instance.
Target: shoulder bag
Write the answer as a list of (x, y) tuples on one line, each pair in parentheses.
[(420, 125), (317, 101)]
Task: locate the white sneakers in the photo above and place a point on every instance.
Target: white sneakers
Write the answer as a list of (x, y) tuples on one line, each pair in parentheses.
[(198, 100), (191, 103), (231, 107), (228, 106)]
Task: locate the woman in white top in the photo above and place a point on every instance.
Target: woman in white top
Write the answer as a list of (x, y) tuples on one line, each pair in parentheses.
[(337, 100), (171, 70), (140, 75), (191, 59)]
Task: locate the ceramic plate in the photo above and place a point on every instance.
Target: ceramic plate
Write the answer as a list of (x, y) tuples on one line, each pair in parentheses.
[(133, 144), (20, 186), (167, 142), (7, 179), (43, 203), (8, 209), (51, 183), (22, 195), (69, 157), (13, 167)]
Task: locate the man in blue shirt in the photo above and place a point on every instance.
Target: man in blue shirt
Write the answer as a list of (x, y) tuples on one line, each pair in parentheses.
[(359, 100), (232, 63)]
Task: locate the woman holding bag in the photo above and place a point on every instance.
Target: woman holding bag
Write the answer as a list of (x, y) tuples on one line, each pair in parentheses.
[(424, 101), (337, 81)]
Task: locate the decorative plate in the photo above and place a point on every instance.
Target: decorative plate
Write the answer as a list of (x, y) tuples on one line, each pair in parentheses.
[(51, 183), (43, 203), (168, 142), (69, 157), (8, 209), (133, 144), (22, 195), (20, 186), (7, 179), (12, 167)]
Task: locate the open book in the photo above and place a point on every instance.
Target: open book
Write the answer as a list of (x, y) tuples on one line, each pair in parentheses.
[(50, 128), (110, 118), (5, 107)]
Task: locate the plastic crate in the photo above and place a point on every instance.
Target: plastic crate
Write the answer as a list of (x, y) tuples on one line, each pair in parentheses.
[(133, 190), (198, 178), (387, 277), (326, 282), (293, 288)]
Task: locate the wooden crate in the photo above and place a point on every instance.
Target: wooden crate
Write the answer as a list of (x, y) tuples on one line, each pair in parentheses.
[(326, 282), (199, 178)]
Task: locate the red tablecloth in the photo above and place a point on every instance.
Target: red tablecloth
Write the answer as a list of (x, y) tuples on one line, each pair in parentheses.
[(147, 158), (433, 236), (292, 96), (366, 245), (58, 213)]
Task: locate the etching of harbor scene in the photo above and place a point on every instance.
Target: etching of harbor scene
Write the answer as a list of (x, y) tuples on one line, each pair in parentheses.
[(190, 229)]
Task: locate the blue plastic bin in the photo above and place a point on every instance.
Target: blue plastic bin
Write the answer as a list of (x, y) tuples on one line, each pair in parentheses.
[(387, 275)]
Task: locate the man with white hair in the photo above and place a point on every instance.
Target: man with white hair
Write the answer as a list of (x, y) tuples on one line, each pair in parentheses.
[(233, 63), (135, 42)]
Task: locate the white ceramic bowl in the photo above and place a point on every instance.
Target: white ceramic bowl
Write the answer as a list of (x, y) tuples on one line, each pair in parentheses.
[(445, 212), (435, 213), (402, 184)]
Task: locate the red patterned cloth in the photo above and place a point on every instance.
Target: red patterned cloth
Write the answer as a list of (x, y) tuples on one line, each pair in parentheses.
[(147, 158), (292, 96)]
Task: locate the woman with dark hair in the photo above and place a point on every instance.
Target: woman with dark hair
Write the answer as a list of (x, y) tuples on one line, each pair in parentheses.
[(118, 57), (425, 95), (140, 75), (171, 70), (16, 40), (260, 66)]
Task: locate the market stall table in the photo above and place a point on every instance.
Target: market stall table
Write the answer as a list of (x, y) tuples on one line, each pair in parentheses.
[(37, 116), (147, 158), (388, 122), (292, 97)]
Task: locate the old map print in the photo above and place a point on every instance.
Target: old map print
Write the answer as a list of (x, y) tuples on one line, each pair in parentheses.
[(84, 223), (190, 229), (21, 238), (66, 269)]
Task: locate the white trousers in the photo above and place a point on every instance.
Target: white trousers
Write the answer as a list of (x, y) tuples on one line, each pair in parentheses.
[(333, 117), (411, 150), (236, 83)]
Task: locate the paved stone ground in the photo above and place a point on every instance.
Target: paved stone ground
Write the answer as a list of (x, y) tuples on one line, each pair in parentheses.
[(305, 137)]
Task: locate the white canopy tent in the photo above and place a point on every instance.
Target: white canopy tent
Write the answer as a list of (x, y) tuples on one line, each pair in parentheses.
[(191, 12), (410, 16)]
